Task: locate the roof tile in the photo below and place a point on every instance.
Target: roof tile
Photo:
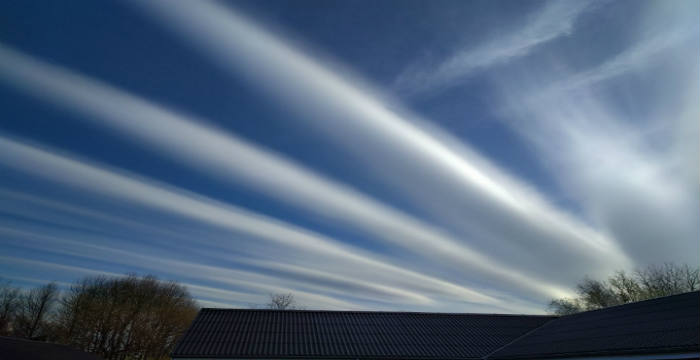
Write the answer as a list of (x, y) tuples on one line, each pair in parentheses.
[(667, 324), (251, 334)]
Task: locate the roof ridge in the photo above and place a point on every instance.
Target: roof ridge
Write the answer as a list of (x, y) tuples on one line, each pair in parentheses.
[(632, 303), (298, 334), (377, 312)]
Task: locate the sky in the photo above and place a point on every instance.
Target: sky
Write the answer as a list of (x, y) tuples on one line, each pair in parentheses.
[(449, 156)]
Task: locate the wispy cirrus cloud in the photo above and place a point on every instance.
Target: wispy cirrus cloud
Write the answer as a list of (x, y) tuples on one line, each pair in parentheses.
[(226, 156), (489, 209), (635, 176), (251, 282), (161, 197), (94, 227), (555, 19)]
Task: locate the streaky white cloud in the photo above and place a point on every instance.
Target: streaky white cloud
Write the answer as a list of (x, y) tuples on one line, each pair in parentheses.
[(162, 197), (636, 58), (530, 233), (82, 271), (216, 304), (42, 208), (33, 280), (251, 281), (279, 270), (232, 158), (213, 245), (203, 294), (554, 20)]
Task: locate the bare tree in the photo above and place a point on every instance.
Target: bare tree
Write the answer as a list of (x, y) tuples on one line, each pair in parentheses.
[(596, 294), (667, 279), (692, 277), (283, 302), (621, 288), (34, 310), (625, 287), (565, 306), (9, 302), (125, 318)]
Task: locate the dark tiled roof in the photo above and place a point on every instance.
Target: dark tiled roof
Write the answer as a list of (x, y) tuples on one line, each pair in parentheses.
[(21, 349), (254, 334), (665, 325), (668, 324)]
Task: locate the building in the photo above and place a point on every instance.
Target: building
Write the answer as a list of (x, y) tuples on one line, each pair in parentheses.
[(663, 328), (22, 349)]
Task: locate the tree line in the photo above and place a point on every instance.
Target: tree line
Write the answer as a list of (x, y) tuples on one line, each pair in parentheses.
[(622, 287), (121, 318), (139, 318), (118, 318)]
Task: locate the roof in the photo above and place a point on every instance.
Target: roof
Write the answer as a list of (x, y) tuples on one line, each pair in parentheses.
[(21, 349), (663, 325), (659, 326), (259, 334)]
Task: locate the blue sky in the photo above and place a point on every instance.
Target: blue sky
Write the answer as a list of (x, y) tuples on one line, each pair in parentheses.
[(476, 156)]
